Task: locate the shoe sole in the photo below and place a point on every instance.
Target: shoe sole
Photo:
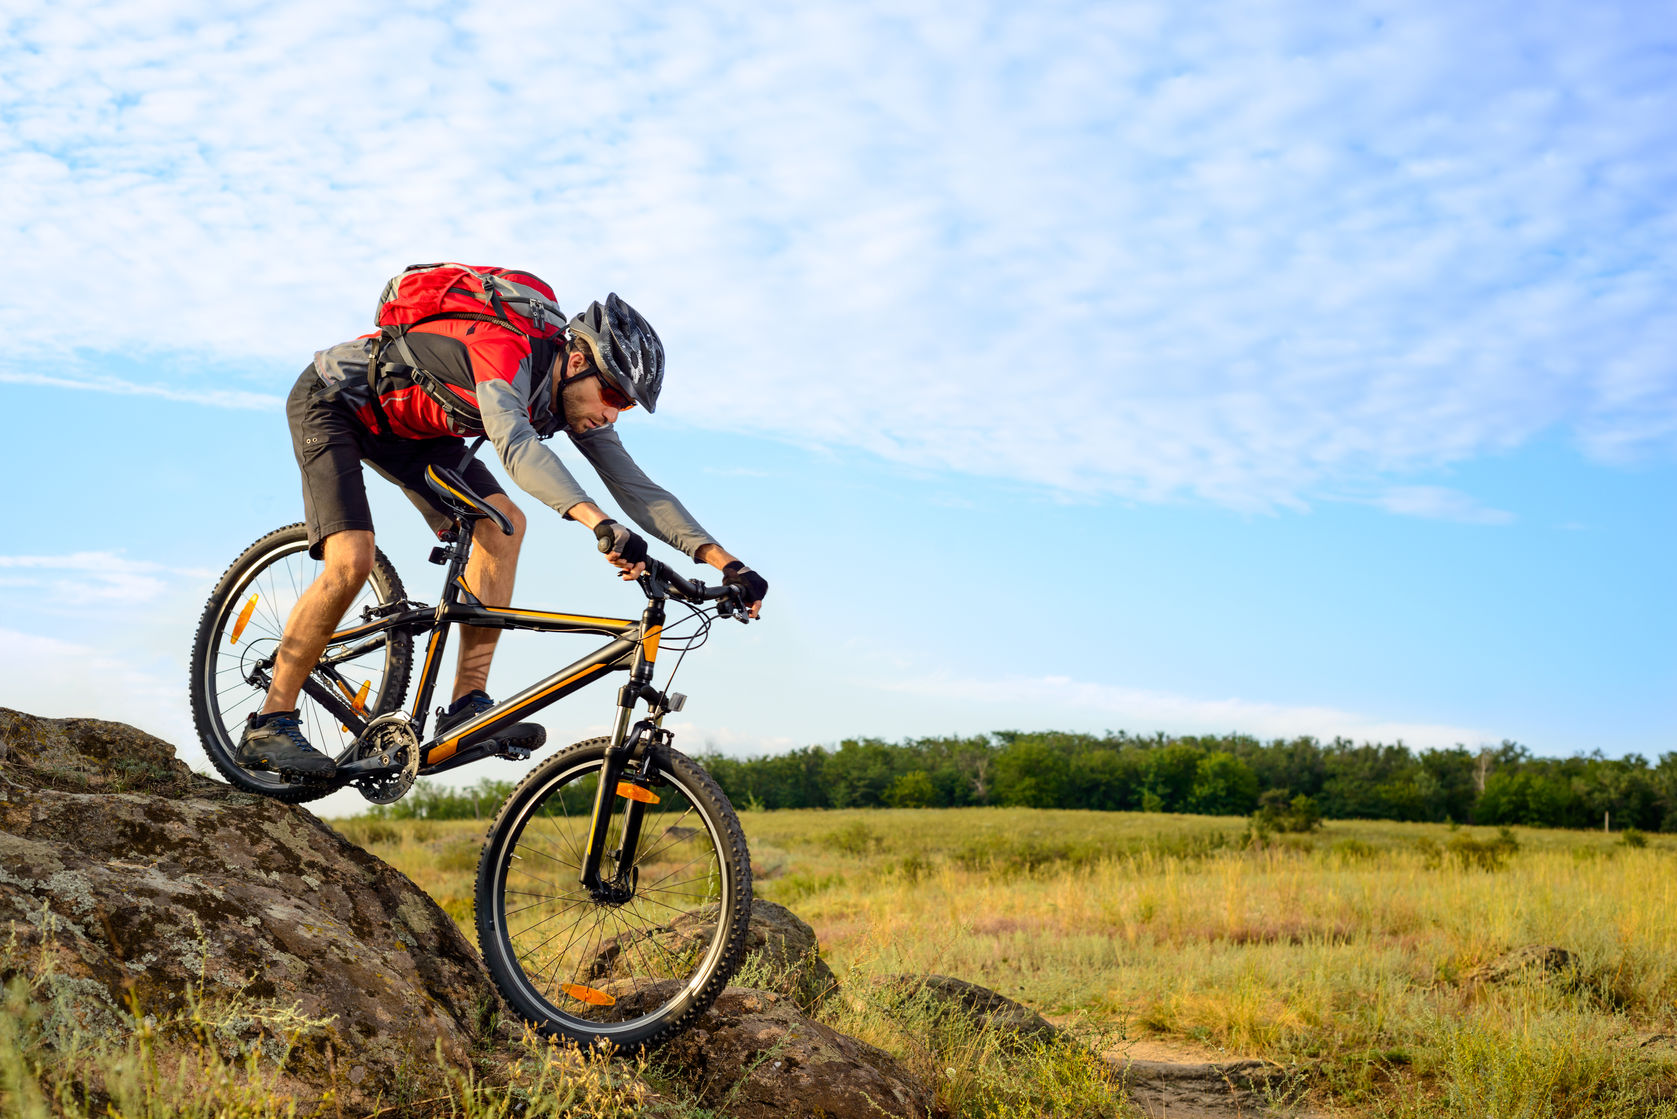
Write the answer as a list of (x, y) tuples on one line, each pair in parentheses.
[(286, 773)]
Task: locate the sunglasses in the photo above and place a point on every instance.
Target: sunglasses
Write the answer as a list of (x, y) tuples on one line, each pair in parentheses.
[(613, 396)]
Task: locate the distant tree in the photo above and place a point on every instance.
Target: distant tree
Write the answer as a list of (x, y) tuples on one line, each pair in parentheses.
[(1106, 780), (1032, 774), (1223, 786), (1168, 774), (1531, 798), (860, 771), (912, 790)]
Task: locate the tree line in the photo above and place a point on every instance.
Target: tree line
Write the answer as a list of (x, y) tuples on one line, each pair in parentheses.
[(1224, 775), (1296, 779)]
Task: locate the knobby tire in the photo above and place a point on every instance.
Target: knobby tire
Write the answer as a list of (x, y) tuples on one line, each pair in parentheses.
[(215, 687), (532, 857)]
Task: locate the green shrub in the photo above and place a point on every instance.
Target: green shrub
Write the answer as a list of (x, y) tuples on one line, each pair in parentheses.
[(1277, 813), (1483, 854)]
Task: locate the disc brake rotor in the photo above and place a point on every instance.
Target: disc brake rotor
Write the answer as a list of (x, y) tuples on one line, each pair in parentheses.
[(391, 740)]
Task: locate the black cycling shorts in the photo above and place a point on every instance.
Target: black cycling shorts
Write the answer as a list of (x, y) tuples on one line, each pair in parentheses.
[(331, 444)]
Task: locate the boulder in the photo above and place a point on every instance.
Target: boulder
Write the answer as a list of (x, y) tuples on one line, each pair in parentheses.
[(127, 881), (945, 998), (753, 1055), (781, 953)]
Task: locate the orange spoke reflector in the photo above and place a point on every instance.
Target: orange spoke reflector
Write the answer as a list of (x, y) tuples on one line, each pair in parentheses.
[(635, 792), (244, 620), (360, 700), (587, 994)]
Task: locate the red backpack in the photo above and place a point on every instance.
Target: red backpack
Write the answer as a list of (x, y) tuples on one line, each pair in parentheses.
[(421, 293)]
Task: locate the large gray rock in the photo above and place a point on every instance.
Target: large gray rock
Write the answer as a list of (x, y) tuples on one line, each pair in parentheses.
[(781, 953), (123, 875), (943, 999), (753, 1055)]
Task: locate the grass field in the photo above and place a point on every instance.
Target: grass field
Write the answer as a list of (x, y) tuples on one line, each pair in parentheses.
[(1348, 953)]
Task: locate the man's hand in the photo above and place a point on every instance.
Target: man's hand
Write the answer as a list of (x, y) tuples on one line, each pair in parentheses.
[(752, 586), (625, 549)]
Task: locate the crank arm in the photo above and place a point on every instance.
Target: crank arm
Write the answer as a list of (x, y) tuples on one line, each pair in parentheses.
[(368, 767)]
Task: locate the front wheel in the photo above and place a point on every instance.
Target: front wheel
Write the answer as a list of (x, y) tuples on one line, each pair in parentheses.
[(233, 654), (632, 968)]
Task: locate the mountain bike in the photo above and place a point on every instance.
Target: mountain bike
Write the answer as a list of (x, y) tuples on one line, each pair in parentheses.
[(614, 887)]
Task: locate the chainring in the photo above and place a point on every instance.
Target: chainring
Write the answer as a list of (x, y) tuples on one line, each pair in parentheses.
[(390, 739)]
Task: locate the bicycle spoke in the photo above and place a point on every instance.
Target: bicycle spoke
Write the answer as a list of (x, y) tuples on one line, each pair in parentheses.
[(575, 849), (644, 937), (545, 855), (671, 841)]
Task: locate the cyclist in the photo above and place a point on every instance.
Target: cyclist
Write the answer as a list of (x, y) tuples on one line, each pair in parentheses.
[(494, 381)]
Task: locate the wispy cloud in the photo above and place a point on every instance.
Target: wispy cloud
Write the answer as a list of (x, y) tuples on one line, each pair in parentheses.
[(1143, 711), (90, 578), (1440, 503), (1249, 254), (214, 398)]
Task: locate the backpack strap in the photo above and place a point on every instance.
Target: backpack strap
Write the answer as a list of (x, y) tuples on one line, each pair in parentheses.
[(372, 383), (399, 335)]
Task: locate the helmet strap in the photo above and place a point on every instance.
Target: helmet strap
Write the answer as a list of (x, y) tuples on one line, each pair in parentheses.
[(570, 347)]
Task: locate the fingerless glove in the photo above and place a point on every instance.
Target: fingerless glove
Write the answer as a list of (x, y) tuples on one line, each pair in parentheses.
[(614, 537), (752, 585)]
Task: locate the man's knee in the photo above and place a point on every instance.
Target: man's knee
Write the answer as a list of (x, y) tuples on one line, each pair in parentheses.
[(488, 535), (348, 556)]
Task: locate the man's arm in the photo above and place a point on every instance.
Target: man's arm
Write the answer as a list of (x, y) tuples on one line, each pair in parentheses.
[(657, 511), (648, 504), (535, 469)]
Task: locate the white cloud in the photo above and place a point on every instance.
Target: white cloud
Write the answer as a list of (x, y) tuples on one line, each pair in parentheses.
[(1254, 255), (1143, 711), (1440, 503), (215, 398), (90, 579)]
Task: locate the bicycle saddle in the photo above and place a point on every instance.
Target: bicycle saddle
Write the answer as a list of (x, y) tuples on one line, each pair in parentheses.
[(461, 500)]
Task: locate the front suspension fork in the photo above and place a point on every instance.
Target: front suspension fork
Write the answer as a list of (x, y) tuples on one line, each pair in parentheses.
[(642, 746)]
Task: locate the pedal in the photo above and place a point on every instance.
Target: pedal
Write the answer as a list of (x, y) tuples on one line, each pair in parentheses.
[(518, 741)]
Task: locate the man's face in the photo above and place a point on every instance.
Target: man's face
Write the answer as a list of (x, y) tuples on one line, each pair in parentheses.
[(583, 399)]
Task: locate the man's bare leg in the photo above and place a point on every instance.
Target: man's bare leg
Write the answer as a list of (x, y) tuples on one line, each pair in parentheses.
[(490, 574), (349, 559)]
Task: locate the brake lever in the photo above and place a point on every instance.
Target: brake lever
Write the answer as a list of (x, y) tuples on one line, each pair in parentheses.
[(731, 607)]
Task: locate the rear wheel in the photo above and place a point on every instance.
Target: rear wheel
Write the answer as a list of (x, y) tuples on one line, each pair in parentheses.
[(629, 969), (233, 651)]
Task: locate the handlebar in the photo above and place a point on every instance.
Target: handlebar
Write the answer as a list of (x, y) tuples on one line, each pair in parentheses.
[(690, 590)]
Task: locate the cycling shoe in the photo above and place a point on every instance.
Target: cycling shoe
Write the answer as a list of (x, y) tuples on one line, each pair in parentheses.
[(275, 742)]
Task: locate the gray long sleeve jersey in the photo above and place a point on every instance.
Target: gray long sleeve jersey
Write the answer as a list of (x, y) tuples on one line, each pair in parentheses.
[(534, 467)]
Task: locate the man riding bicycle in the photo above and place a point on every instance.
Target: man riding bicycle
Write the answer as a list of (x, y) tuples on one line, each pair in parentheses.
[(401, 401)]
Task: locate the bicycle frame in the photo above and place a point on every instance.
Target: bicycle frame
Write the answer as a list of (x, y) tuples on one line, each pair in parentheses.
[(634, 647)]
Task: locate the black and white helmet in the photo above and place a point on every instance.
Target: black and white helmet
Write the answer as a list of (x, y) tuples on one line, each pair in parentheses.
[(625, 348)]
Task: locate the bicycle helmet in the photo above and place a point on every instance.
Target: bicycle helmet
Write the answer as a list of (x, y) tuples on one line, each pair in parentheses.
[(625, 348)]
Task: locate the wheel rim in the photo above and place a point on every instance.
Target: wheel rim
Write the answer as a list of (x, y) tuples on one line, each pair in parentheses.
[(256, 609), (570, 953)]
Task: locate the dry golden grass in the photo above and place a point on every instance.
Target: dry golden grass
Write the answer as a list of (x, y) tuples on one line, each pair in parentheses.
[(1345, 954)]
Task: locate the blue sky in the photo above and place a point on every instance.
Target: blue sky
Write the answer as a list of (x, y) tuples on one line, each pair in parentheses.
[(1282, 368)]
